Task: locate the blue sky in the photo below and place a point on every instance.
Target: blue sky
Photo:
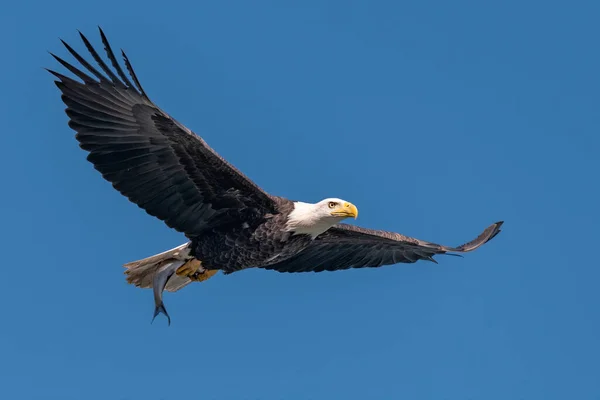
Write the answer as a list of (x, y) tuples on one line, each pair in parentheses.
[(435, 118)]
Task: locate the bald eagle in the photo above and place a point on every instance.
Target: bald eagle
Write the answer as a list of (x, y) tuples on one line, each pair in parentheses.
[(231, 224)]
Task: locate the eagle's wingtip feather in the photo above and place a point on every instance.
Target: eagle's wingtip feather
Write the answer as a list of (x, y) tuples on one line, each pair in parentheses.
[(488, 234)]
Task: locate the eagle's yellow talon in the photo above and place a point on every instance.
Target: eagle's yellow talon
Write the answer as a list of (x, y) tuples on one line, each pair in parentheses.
[(193, 270), (202, 276), (189, 268)]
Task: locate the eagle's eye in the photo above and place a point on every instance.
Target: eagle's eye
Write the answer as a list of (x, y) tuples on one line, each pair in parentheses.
[(332, 204)]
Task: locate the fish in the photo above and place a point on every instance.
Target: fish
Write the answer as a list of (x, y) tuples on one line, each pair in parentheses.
[(159, 282)]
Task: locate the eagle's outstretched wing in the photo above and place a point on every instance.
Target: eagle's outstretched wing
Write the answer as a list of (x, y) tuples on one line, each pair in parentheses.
[(347, 246), (148, 156)]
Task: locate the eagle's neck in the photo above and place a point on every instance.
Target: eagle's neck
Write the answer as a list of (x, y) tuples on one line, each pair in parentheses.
[(305, 219)]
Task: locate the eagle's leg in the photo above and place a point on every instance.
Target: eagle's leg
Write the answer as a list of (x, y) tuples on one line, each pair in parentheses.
[(203, 275), (190, 268), (193, 269)]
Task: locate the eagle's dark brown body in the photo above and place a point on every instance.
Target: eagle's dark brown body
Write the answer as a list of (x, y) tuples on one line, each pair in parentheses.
[(257, 242)]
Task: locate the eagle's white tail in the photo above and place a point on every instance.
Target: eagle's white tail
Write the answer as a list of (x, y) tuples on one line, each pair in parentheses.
[(141, 272)]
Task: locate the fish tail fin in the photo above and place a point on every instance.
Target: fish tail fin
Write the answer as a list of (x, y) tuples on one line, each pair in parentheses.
[(141, 272), (160, 309)]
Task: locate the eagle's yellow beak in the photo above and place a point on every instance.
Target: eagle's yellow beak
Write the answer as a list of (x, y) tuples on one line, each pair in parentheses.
[(346, 210)]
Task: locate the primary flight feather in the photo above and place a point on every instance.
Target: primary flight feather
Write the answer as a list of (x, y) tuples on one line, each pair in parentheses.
[(230, 222)]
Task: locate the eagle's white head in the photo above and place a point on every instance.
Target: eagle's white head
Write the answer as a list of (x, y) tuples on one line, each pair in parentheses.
[(314, 219)]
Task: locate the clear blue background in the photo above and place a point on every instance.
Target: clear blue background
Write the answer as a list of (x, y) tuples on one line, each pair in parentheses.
[(436, 118)]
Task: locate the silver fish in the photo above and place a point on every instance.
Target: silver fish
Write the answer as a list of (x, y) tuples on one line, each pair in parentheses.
[(161, 277)]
